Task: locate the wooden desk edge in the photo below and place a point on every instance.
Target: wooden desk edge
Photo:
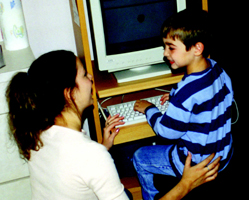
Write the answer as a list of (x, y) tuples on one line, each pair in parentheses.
[(137, 86), (134, 132)]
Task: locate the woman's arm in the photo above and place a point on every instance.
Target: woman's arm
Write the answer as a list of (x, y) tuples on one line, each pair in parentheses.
[(193, 177)]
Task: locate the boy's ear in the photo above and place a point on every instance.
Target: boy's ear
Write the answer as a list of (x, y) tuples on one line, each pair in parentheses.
[(199, 47)]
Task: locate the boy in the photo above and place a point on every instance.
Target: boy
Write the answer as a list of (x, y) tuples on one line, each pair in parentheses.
[(198, 118)]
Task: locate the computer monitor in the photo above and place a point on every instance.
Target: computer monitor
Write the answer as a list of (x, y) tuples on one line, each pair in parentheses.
[(127, 36)]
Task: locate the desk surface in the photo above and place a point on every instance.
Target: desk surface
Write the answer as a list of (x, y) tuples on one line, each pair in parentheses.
[(106, 84), (136, 131)]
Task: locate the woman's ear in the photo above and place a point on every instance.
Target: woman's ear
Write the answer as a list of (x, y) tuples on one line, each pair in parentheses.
[(67, 94), (199, 47)]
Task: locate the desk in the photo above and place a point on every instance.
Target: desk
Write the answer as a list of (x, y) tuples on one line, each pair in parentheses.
[(107, 86)]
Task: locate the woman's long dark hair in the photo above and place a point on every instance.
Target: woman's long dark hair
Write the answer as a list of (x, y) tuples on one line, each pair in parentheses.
[(35, 98)]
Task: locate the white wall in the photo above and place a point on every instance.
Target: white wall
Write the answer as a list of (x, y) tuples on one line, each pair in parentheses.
[(49, 25), (14, 174)]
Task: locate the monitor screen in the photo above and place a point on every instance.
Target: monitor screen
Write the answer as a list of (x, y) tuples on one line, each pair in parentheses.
[(134, 25)]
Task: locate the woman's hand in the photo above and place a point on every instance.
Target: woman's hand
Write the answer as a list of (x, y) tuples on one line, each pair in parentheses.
[(200, 173), (110, 131), (193, 177)]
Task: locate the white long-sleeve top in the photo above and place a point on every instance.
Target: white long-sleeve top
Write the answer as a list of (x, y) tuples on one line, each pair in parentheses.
[(70, 166)]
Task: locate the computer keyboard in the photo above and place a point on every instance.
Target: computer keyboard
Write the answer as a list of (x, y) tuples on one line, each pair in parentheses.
[(134, 117)]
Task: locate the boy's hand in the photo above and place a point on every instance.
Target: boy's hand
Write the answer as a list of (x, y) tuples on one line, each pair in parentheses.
[(164, 98), (141, 105)]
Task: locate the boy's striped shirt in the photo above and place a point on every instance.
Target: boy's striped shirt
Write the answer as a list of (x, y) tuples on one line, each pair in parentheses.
[(198, 116)]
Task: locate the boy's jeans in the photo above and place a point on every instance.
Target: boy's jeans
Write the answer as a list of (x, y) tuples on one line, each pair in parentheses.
[(151, 160)]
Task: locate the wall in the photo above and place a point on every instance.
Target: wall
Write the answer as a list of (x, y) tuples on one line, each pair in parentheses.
[(49, 25), (14, 174)]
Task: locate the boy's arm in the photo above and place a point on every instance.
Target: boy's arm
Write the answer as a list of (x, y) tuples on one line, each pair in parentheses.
[(172, 125), (194, 177)]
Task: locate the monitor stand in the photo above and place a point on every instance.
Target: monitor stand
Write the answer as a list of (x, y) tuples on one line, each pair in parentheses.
[(142, 72)]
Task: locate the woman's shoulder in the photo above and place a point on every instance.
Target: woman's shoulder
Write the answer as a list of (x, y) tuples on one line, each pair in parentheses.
[(69, 139)]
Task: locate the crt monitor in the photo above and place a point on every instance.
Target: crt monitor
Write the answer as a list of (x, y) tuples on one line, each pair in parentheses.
[(127, 36)]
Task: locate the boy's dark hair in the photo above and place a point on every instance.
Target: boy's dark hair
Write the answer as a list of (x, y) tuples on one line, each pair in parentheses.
[(37, 97), (190, 27)]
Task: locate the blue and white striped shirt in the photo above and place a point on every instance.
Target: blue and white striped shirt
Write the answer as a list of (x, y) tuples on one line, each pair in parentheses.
[(198, 116)]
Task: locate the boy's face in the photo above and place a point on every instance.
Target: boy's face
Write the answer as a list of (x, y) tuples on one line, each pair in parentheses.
[(176, 53)]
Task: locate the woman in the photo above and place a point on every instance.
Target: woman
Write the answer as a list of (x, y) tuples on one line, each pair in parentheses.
[(45, 116)]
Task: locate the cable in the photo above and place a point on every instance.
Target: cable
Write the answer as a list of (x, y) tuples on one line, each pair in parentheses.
[(106, 100), (237, 109), (122, 100), (162, 90), (102, 111)]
